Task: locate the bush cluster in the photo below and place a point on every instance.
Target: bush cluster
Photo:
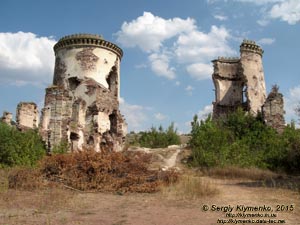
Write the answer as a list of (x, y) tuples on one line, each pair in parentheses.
[(19, 148), (159, 138), (96, 171), (243, 140)]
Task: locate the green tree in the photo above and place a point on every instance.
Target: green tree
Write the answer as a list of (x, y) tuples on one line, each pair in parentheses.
[(19, 148), (243, 140), (209, 143), (159, 138)]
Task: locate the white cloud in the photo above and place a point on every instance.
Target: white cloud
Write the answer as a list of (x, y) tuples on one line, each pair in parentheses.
[(160, 116), (288, 11), (285, 10), (291, 101), (259, 2), (266, 41), (135, 115), (174, 41), (198, 46), (26, 58), (160, 65), (189, 89), (200, 71), (148, 32), (203, 113), (263, 22), (177, 83), (220, 17)]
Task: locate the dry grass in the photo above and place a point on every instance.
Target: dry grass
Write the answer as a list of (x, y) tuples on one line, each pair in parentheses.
[(46, 200), (190, 187), (254, 177), (93, 171), (240, 173), (3, 180), (25, 179)]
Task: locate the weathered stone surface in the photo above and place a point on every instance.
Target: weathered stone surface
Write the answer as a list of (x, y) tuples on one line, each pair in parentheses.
[(252, 70), (27, 116), (82, 106), (7, 118), (239, 82), (273, 110)]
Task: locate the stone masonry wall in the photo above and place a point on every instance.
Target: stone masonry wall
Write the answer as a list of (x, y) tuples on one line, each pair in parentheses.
[(82, 106), (253, 74), (27, 116), (7, 118), (239, 82), (273, 110)]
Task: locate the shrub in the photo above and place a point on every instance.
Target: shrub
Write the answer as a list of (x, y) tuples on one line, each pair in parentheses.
[(209, 143), (243, 140), (290, 156), (98, 171), (159, 138), (60, 148), (19, 148)]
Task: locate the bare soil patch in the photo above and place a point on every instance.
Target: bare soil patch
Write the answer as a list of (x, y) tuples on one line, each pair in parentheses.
[(179, 203), (57, 206)]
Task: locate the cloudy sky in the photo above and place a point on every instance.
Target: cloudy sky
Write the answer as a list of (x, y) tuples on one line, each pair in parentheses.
[(168, 47)]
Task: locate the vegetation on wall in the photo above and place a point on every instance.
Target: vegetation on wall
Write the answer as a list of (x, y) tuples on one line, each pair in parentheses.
[(243, 140), (19, 148)]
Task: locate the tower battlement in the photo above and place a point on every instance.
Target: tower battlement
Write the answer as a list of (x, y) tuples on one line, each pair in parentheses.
[(86, 40), (251, 46)]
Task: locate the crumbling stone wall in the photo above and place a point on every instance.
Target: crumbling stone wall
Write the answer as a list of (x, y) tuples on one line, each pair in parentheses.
[(7, 118), (27, 116), (228, 86), (239, 82), (253, 74), (82, 106), (273, 110)]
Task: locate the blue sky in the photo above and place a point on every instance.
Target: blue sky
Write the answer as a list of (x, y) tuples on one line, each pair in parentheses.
[(168, 47)]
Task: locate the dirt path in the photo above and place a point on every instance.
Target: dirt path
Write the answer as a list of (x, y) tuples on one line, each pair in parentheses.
[(66, 207), (141, 209), (164, 158)]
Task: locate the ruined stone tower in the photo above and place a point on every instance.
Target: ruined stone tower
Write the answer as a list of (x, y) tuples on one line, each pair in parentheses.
[(27, 116), (239, 82), (273, 110), (7, 118), (82, 105), (253, 74)]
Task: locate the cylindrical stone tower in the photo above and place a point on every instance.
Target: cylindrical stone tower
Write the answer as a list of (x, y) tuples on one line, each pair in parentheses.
[(252, 69), (82, 56), (82, 105)]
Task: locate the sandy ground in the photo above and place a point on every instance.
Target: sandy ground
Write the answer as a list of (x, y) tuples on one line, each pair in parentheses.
[(57, 206), (66, 207)]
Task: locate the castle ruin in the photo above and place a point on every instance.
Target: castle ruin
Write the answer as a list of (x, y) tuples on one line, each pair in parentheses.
[(239, 82), (82, 105), (7, 118), (27, 116)]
